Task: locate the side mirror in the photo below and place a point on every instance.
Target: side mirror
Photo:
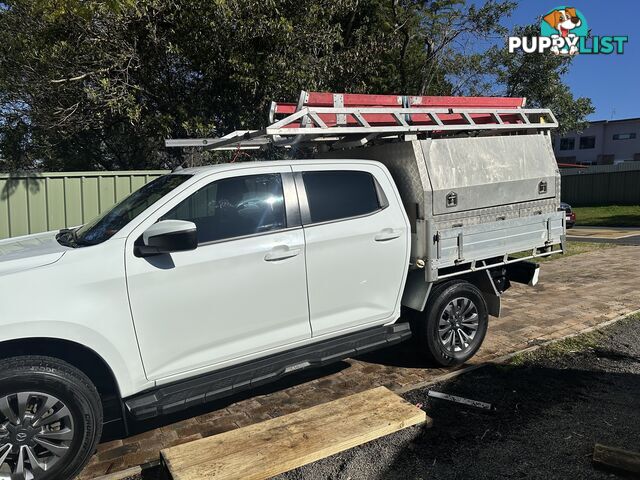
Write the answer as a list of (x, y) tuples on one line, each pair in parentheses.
[(167, 236)]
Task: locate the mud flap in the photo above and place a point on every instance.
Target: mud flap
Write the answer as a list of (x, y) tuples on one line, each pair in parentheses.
[(524, 272)]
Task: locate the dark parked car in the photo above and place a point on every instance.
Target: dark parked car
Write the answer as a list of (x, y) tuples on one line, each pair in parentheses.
[(571, 216)]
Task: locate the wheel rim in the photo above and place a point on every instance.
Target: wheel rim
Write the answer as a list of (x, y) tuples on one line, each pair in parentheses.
[(458, 325), (36, 430)]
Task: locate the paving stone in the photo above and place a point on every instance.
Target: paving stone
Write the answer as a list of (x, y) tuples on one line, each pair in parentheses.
[(146, 456), (220, 427), (118, 452), (143, 437), (181, 440), (109, 445)]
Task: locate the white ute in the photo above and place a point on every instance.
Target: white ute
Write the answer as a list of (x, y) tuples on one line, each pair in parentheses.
[(210, 280)]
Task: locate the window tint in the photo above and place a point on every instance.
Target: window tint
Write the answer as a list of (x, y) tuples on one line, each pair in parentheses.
[(340, 194), (587, 142), (234, 207), (567, 143)]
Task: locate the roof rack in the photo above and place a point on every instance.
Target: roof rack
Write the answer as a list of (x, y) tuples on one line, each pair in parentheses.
[(354, 120)]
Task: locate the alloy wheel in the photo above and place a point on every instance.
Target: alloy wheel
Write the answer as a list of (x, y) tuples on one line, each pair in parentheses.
[(458, 324), (36, 430)]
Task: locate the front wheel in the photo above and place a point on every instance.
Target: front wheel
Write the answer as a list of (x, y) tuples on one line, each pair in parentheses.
[(50, 418), (454, 323)]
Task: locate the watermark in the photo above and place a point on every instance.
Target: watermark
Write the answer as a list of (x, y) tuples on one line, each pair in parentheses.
[(564, 31)]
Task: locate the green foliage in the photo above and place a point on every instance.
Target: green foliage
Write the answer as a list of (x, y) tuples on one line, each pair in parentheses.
[(88, 84)]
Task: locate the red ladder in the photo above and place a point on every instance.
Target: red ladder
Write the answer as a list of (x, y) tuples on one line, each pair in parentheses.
[(357, 100)]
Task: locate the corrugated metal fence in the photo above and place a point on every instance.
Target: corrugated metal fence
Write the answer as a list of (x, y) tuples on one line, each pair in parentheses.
[(602, 185), (38, 202)]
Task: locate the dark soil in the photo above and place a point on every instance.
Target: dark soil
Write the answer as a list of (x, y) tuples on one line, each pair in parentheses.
[(551, 408)]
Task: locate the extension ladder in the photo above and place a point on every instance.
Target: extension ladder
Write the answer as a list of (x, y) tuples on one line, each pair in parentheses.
[(350, 120)]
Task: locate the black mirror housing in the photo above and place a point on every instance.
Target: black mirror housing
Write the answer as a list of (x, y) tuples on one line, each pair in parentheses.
[(167, 236)]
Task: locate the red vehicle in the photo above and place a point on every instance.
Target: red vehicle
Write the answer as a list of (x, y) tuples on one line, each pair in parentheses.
[(571, 216)]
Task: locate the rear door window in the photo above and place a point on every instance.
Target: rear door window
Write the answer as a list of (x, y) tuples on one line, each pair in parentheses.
[(339, 194)]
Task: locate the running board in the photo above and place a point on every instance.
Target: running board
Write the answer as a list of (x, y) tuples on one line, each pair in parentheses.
[(212, 386)]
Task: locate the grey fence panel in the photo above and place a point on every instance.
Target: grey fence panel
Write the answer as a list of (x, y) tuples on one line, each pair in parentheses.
[(606, 187), (38, 202)]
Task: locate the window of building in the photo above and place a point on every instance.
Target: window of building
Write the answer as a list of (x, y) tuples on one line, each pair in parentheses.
[(334, 195), (624, 136), (567, 143), (234, 207), (587, 142)]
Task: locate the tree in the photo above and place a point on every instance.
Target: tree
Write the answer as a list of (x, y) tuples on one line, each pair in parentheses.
[(538, 76), (89, 84)]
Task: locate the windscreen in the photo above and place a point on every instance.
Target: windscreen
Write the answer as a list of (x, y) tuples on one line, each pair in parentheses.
[(110, 222)]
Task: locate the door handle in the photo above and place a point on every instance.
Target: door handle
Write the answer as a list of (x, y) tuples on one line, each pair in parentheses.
[(387, 234), (281, 252)]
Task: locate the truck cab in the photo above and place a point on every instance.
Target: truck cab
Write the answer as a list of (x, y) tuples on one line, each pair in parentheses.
[(286, 253)]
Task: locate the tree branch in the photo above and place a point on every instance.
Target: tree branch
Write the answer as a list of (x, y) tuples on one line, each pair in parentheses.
[(79, 77)]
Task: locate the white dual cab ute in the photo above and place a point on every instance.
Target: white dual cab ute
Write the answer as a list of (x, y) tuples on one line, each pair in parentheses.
[(206, 281)]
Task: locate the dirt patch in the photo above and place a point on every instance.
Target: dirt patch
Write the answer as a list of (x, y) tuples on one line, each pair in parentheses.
[(553, 405)]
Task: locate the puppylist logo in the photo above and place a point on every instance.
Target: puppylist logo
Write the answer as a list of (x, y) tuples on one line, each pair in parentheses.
[(564, 31)]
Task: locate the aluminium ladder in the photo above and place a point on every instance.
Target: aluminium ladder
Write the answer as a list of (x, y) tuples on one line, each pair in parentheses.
[(351, 120)]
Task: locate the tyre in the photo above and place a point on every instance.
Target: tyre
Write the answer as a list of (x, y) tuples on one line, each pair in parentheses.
[(454, 323), (50, 418)]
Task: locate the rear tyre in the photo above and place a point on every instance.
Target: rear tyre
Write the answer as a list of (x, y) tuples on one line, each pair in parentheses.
[(50, 418), (454, 323)]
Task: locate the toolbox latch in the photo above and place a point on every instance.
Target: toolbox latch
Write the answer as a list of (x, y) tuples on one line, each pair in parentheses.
[(452, 199), (542, 187)]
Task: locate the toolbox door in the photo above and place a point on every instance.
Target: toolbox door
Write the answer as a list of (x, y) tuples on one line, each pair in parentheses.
[(476, 173)]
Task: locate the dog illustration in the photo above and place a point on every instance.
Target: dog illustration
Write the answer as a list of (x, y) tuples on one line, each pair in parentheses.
[(564, 20)]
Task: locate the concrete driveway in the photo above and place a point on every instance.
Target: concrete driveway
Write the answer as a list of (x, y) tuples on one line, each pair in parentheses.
[(619, 236)]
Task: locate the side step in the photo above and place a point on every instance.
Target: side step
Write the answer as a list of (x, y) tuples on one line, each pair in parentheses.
[(212, 386)]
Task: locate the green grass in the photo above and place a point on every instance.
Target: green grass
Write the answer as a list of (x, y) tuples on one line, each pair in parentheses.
[(576, 248), (573, 248), (609, 216), (567, 346)]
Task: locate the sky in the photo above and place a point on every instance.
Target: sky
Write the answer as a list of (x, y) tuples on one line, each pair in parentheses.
[(611, 81)]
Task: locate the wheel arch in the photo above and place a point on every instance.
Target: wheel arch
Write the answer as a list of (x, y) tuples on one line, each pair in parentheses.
[(418, 292), (80, 356)]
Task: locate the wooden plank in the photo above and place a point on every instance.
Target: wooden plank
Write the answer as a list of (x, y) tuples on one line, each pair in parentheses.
[(275, 446), (617, 458)]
